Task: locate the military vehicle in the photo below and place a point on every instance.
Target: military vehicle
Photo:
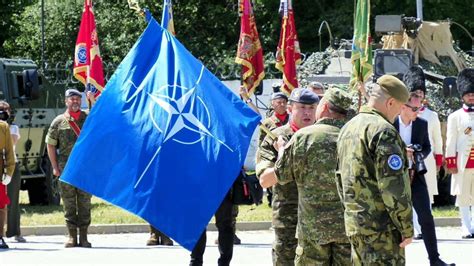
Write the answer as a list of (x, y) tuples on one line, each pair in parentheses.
[(20, 86)]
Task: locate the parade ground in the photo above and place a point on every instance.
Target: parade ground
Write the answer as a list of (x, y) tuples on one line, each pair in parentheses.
[(130, 249)]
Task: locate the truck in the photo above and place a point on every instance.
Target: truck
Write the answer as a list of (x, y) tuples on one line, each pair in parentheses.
[(33, 110)]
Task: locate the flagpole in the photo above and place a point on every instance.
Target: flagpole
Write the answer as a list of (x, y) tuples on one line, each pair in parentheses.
[(246, 98)]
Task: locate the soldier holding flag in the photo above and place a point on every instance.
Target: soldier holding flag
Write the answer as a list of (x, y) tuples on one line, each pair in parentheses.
[(62, 135)]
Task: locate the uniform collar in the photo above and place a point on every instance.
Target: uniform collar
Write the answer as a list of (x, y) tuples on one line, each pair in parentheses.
[(68, 116), (467, 109), (371, 110), (331, 121)]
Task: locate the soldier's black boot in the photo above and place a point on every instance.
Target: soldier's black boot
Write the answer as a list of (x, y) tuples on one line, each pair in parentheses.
[(83, 238), (237, 240), (72, 240), (3, 245), (439, 262), (165, 240), (154, 238)]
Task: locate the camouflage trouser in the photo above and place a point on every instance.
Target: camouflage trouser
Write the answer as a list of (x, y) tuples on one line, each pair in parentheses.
[(378, 249), (310, 253), (284, 246), (77, 206)]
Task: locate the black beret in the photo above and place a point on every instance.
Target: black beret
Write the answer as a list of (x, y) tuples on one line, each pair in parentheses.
[(465, 81), (279, 95), (304, 96), (414, 79)]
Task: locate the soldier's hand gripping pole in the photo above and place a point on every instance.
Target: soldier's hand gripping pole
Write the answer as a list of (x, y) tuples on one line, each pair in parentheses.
[(246, 98)]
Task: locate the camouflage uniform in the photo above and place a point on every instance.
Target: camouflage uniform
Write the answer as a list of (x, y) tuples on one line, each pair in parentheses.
[(374, 187), (271, 123), (284, 203), (309, 159), (77, 203)]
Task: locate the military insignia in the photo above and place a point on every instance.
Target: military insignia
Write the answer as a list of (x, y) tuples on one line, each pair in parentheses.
[(395, 162), (468, 131), (81, 53)]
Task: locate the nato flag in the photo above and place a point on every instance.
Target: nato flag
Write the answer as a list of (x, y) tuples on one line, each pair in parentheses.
[(165, 140)]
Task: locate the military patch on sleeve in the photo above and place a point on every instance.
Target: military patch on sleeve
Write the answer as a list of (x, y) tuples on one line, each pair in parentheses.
[(395, 162)]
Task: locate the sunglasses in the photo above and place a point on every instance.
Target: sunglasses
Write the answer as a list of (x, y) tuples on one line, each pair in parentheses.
[(413, 108)]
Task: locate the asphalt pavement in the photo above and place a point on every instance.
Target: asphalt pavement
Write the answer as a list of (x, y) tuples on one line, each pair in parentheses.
[(130, 249)]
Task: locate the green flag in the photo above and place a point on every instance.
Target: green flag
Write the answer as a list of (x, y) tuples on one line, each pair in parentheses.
[(361, 46)]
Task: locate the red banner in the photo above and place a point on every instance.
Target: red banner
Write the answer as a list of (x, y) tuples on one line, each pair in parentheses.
[(249, 50), (288, 51), (87, 59)]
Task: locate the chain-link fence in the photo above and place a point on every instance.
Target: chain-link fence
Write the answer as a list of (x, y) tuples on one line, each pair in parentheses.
[(61, 73)]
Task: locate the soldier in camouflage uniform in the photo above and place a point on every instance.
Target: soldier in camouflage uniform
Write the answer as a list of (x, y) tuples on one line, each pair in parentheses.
[(62, 135), (302, 107), (373, 181), (279, 117), (309, 159)]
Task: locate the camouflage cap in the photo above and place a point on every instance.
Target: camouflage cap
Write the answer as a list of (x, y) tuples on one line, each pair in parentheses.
[(304, 96), (72, 92), (279, 95), (341, 101), (394, 87)]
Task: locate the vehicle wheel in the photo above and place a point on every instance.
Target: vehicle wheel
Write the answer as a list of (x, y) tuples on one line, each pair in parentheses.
[(36, 191), (44, 191), (51, 183)]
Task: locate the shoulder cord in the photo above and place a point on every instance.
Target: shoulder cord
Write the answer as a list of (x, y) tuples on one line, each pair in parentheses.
[(4, 162)]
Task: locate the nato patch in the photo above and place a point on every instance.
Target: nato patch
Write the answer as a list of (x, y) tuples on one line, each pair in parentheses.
[(81, 53), (395, 162)]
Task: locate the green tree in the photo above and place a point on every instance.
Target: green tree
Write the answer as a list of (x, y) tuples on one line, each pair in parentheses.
[(8, 17), (208, 28)]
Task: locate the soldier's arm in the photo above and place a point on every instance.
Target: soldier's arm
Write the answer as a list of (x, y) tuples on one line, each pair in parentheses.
[(51, 144), (285, 165), (267, 156), (451, 139), (392, 180)]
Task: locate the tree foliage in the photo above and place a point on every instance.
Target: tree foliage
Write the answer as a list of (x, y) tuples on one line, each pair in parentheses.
[(208, 28)]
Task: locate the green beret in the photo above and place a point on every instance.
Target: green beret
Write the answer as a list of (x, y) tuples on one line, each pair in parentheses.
[(394, 87), (304, 96), (340, 100)]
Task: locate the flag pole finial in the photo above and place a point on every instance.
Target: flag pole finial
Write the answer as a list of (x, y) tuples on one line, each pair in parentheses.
[(134, 5)]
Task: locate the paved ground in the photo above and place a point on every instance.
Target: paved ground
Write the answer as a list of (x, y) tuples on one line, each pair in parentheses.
[(130, 249)]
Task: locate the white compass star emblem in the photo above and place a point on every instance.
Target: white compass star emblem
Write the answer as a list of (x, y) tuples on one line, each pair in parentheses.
[(182, 114)]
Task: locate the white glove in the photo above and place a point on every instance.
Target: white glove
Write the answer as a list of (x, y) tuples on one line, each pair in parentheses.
[(6, 179)]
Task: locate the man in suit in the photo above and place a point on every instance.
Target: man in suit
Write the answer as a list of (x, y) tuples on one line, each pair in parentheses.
[(414, 79), (460, 151), (414, 131)]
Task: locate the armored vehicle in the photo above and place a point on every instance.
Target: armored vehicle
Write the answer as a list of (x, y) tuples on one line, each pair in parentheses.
[(33, 108)]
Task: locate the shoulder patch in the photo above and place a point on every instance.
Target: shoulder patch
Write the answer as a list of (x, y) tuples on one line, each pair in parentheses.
[(395, 162)]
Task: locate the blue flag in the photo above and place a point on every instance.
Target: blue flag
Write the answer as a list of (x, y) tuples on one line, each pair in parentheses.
[(165, 140)]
